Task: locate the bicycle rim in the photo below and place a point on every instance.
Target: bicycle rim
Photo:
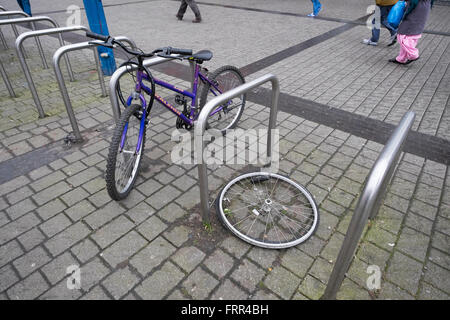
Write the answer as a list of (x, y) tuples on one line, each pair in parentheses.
[(226, 115), (268, 210), (124, 157)]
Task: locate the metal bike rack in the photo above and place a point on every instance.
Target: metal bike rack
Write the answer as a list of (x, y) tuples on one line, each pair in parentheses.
[(2, 69), (60, 79), (3, 40), (113, 82), (14, 28), (16, 33), (24, 65), (369, 202), (13, 22), (12, 94), (200, 127)]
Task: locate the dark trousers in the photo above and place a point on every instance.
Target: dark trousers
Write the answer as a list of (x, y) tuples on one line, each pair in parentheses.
[(192, 5), (384, 12)]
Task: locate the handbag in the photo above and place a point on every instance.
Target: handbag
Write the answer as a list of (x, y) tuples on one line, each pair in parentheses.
[(396, 14)]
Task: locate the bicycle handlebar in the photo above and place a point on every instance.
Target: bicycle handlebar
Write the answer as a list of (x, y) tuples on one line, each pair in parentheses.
[(97, 36), (166, 51), (185, 52)]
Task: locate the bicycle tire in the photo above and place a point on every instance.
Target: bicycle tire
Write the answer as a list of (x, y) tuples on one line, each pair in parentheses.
[(278, 229), (111, 165), (215, 76)]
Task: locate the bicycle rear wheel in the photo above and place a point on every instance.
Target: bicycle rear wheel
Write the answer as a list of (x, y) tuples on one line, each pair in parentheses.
[(227, 115), (268, 210), (125, 155)]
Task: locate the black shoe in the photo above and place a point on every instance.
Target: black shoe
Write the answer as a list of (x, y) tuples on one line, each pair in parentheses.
[(179, 17), (197, 20), (393, 40), (394, 60), (409, 61)]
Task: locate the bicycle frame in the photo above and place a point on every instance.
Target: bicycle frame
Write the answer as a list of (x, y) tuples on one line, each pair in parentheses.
[(192, 95)]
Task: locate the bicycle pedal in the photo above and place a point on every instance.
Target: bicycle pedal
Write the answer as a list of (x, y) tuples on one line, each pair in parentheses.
[(179, 123)]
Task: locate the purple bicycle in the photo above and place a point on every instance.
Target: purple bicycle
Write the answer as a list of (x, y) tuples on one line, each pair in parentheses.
[(127, 145)]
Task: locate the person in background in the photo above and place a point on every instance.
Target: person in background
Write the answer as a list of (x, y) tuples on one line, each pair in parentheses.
[(410, 30), (25, 6), (193, 5), (317, 6), (384, 7)]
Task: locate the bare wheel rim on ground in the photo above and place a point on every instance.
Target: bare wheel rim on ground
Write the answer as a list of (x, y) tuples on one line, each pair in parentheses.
[(268, 210)]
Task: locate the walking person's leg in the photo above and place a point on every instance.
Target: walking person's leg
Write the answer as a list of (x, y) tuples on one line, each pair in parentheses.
[(317, 6), (182, 10), (412, 53), (408, 51), (402, 55), (193, 5), (384, 12), (373, 41)]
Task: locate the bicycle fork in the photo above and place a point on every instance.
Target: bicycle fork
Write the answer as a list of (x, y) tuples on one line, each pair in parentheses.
[(141, 126)]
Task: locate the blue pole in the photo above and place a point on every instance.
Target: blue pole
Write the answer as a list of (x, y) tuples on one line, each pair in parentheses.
[(97, 23)]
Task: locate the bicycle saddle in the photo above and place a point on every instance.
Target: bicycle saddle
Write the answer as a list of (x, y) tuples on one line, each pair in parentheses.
[(202, 55)]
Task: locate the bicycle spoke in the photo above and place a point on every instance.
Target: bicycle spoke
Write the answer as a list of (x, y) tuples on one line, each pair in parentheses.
[(270, 196), (239, 222), (275, 228), (241, 208), (293, 221), (242, 196), (256, 218), (296, 213), (125, 174), (243, 187)]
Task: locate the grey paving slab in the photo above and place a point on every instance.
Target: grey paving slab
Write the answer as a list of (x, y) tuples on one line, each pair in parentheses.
[(56, 270), (188, 258), (123, 249), (199, 284), (30, 288), (120, 282), (160, 283), (152, 255)]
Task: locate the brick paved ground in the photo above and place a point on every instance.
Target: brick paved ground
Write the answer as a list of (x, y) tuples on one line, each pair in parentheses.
[(55, 211)]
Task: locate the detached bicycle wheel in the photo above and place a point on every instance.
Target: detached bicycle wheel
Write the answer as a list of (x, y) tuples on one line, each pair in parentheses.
[(124, 155), (268, 210), (227, 115)]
